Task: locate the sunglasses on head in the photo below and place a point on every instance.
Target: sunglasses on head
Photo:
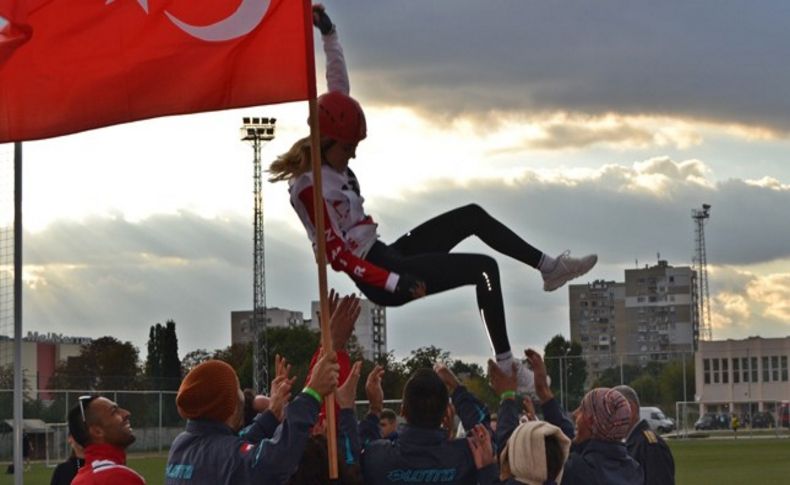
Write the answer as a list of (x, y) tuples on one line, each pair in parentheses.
[(84, 401)]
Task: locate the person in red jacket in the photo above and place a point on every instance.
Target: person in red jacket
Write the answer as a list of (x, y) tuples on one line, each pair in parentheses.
[(421, 262), (104, 430)]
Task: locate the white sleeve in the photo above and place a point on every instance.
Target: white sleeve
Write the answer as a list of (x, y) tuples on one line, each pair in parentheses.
[(336, 72)]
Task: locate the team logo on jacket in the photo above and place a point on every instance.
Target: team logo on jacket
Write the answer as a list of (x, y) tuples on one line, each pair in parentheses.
[(246, 448), (429, 475)]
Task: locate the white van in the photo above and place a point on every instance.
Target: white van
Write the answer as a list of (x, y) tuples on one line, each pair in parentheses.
[(656, 419)]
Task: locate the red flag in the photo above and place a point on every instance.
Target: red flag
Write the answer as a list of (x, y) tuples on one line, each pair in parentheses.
[(72, 65)]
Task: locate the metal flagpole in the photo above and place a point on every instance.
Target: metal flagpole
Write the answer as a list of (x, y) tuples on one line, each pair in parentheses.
[(18, 422)]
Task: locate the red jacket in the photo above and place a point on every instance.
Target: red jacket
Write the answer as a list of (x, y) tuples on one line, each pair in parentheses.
[(106, 465)]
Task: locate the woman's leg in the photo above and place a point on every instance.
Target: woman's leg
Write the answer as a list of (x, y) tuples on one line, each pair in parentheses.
[(444, 232), (444, 271)]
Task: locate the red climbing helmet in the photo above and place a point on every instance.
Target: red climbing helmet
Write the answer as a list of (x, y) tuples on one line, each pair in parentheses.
[(341, 118)]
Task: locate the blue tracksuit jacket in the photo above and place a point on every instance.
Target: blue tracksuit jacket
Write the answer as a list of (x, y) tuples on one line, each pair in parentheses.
[(597, 462), (422, 455), (210, 453)]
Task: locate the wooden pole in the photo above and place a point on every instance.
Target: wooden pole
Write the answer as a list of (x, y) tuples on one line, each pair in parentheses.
[(320, 238)]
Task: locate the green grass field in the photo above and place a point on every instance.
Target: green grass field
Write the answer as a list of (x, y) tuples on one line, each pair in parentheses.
[(698, 462)]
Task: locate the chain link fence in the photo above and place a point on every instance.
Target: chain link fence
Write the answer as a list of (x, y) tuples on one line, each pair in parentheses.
[(154, 418)]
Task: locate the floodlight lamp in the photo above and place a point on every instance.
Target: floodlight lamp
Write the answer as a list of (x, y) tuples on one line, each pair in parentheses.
[(246, 120), (273, 120), (270, 131), (256, 121), (250, 131), (264, 121)]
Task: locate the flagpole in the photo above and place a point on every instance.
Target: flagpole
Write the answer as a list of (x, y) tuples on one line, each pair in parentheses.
[(320, 232), (18, 421), (320, 237)]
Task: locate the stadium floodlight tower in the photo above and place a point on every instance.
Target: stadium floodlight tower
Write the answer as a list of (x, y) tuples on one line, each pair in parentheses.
[(256, 131), (701, 267)]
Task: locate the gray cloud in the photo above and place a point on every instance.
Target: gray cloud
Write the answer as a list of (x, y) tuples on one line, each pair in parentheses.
[(675, 58), (621, 223)]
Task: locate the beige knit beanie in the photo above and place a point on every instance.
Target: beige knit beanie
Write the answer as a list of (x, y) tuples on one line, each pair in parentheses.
[(524, 456)]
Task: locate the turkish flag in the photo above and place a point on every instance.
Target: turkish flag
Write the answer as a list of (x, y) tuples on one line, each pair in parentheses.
[(73, 65)]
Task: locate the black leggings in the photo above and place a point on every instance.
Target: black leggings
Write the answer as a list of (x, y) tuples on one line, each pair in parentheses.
[(425, 253)]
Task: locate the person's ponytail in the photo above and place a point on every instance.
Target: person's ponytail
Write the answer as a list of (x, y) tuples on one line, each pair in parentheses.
[(292, 163)]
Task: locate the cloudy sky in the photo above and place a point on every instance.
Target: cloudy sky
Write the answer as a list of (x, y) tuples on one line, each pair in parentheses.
[(593, 126)]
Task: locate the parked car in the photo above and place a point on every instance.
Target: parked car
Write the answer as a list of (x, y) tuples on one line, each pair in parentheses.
[(713, 421), (763, 419), (656, 419), (784, 414)]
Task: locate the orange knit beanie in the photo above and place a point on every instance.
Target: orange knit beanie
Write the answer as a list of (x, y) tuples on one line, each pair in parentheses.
[(209, 391)]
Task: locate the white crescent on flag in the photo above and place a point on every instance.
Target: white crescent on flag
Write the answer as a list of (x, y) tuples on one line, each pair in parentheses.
[(238, 24)]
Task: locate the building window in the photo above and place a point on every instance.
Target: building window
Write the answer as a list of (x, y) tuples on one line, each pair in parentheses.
[(745, 367), (736, 373), (715, 371), (766, 371), (706, 367), (725, 373), (775, 368), (784, 368)]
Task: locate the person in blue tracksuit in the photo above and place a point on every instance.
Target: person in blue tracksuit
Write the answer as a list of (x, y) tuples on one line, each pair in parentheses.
[(211, 452), (423, 453), (598, 455), (509, 415)]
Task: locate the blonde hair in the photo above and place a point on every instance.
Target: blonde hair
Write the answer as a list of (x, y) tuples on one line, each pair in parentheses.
[(292, 163), (297, 160)]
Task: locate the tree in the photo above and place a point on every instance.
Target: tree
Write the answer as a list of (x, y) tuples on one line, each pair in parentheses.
[(567, 368), (463, 369), (162, 366), (424, 357), (103, 364), (239, 356), (611, 376), (297, 344), (192, 359), (646, 387), (7, 398), (670, 383)]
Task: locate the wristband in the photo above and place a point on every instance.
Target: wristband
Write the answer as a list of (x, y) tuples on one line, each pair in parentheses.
[(313, 393), (507, 395)]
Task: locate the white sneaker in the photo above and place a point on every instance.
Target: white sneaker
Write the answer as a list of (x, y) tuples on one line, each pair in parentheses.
[(525, 377), (567, 268), (526, 381)]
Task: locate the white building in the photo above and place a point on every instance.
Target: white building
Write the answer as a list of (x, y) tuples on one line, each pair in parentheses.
[(241, 331), (370, 329), (734, 375), (41, 354)]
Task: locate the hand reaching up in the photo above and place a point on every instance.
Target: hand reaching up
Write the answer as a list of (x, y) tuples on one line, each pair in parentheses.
[(324, 377), (374, 391), (347, 393), (480, 444)]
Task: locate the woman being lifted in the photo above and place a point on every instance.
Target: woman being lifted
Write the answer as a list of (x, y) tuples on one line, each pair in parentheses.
[(419, 263)]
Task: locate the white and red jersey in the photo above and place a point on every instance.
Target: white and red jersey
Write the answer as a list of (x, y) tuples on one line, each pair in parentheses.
[(350, 233), (106, 465)]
